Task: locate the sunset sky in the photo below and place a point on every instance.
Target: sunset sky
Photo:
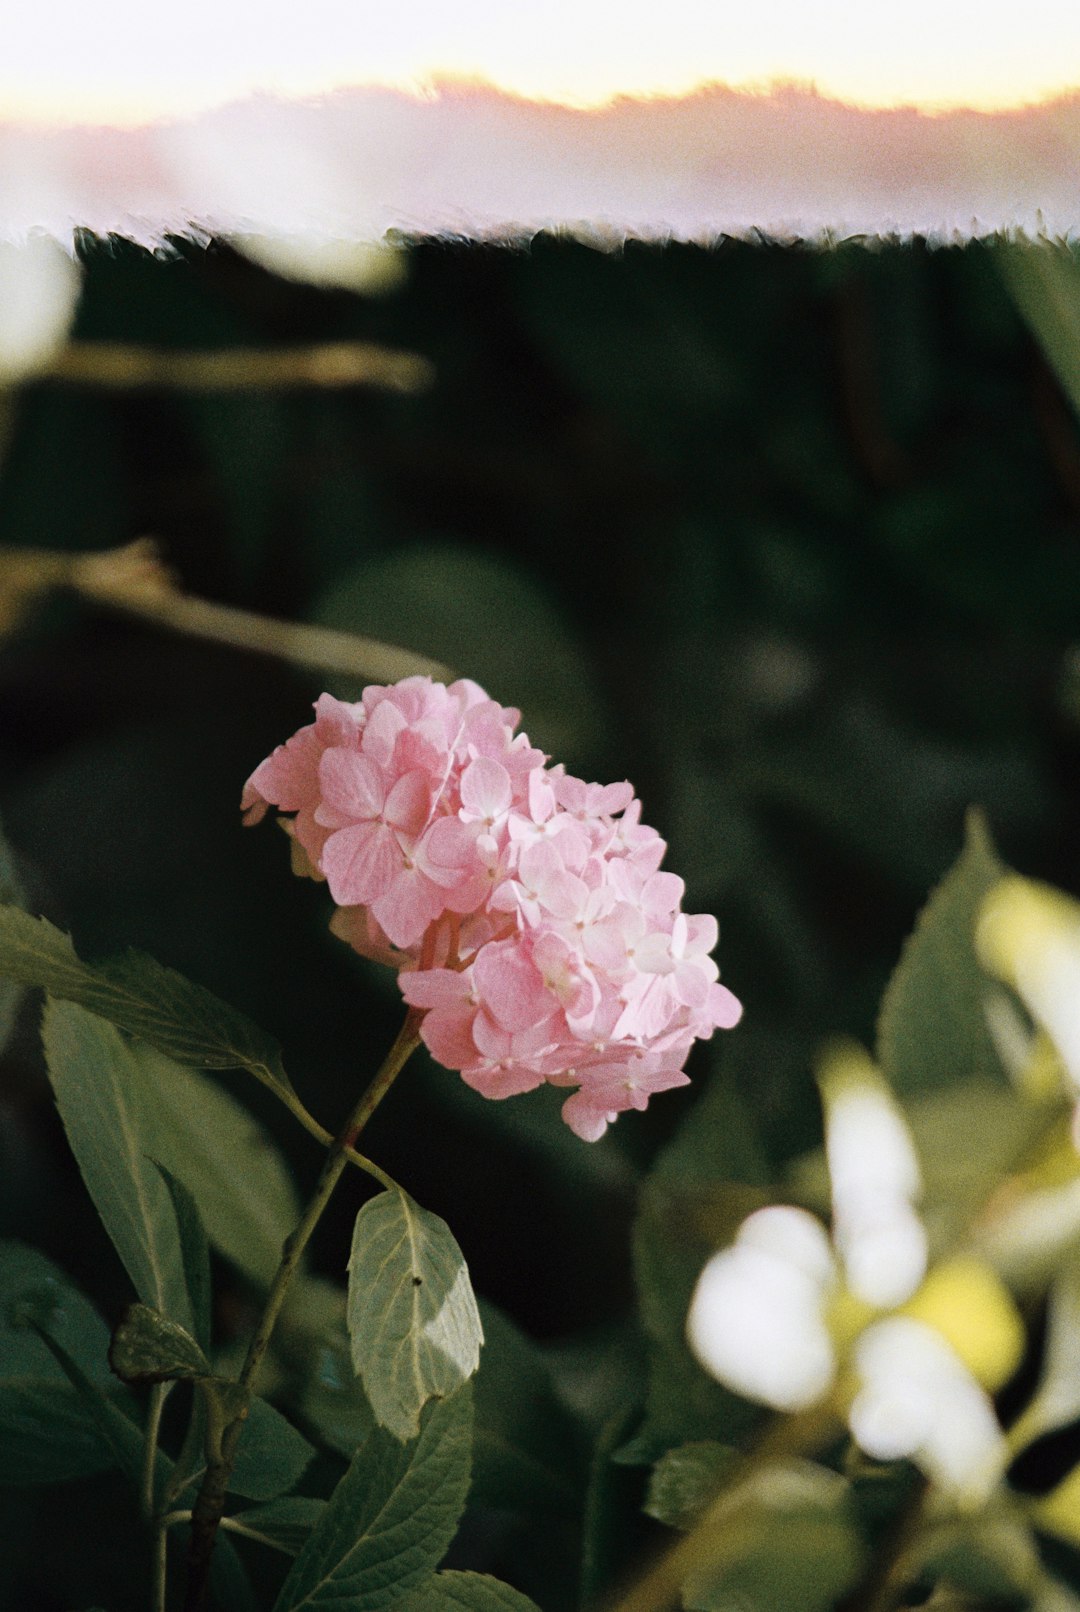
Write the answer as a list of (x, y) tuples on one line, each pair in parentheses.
[(126, 61)]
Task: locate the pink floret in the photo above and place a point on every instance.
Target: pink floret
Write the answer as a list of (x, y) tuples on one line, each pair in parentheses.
[(535, 937)]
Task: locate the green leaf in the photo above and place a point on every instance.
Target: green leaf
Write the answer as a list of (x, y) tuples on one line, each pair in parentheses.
[(118, 1432), (466, 1592), (612, 1511), (991, 1557), (313, 1346), (523, 1439), (282, 1524), (271, 1456), (412, 1317), (148, 1348), (108, 1114), (195, 1252), (47, 1434), (140, 996), (932, 1031), (686, 1480), (390, 1518), (211, 1143), (787, 1543), (440, 599), (700, 1188), (194, 1130)]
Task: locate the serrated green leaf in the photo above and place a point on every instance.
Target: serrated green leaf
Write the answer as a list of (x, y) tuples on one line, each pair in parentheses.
[(390, 1518), (282, 1524), (141, 996), (148, 1348), (413, 1322), (195, 1252), (466, 1592), (686, 1480), (47, 1434), (933, 1031), (109, 1118)]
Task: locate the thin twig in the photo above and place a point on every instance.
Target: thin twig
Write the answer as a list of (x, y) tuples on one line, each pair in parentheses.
[(120, 366), (207, 1511), (135, 581)]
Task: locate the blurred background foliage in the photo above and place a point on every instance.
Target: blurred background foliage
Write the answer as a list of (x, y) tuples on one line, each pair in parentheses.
[(790, 539)]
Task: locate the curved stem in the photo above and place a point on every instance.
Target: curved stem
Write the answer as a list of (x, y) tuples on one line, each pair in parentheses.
[(206, 1513), (153, 1427)]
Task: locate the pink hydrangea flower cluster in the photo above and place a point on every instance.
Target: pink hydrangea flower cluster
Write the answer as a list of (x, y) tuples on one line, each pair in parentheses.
[(525, 910)]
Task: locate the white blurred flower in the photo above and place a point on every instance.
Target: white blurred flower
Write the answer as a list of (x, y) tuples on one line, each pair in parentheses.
[(1028, 935), (757, 1321), (773, 1315), (918, 1399)]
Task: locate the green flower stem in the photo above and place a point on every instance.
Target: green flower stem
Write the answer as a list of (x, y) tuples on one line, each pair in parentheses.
[(222, 1441), (161, 1557), (158, 1395), (321, 1134)]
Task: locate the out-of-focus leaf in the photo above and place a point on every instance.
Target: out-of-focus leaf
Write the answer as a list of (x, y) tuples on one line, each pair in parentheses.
[(119, 1434), (488, 619), (322, 1387), (47, 1434), (991, 1557), (466, 1592), (523, 1440), (108, 1114), (685, 1480), (933, 1031), (272, 1455), (140, 996), (1044, 280), (787, 1544), (413, 1321), (1056, 1401), (390, 1518), (701, 1187), (612, 1511)]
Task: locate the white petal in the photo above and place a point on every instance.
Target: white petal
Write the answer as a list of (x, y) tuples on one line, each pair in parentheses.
[(884, 1251), (918, 1400), (756, 1323)]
